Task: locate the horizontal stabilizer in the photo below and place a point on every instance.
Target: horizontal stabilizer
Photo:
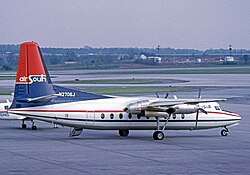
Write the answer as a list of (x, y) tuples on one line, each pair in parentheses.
[(45, 98)]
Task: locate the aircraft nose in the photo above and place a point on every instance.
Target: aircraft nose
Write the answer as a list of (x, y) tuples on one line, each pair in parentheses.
[(236, 116), (239, 117)]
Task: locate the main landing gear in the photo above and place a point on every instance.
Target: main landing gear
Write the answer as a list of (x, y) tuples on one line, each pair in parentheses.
[(23, 125), (124, 133), (158, 134), (224, 131), (33, 126)]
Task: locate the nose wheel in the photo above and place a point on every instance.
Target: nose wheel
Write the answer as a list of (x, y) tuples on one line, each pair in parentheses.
[(224, 132)]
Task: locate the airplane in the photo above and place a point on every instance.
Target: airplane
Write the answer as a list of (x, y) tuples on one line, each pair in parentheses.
[(37, 98), (4, 115)]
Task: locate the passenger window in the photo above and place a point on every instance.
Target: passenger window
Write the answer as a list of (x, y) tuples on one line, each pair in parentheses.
[(138, 116), (102, 115), (182, 116), (121, 116), (174, 116), (112, 116), (129, 116)]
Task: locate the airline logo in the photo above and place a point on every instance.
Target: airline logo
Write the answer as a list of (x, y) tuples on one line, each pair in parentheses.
[(32, 79)]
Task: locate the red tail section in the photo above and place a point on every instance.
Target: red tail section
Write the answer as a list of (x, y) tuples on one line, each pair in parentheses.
[(33, 84), (30, 64), (32, 78)]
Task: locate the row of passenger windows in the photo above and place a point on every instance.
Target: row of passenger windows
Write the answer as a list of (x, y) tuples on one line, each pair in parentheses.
[(112, 116)]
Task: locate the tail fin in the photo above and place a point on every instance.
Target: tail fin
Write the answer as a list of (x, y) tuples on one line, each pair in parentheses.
[(32, 78)]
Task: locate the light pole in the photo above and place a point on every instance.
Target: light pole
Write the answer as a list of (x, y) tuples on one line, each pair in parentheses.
[(230, 50), (158, 49)]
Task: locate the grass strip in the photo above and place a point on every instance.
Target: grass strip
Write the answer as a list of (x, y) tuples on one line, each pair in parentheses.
[(133, 90), (113, 81), (7, 77), (6, 92)]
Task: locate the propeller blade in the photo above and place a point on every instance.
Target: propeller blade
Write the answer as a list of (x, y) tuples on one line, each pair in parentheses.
[(196, 120), (157, 95), (199, 95), (202, 110), (166, 96)]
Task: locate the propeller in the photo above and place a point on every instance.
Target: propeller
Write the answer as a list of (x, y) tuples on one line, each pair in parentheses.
[(157, 95), (199, 109), (199, 94), (166, 96), (196, 119), (197, 116)]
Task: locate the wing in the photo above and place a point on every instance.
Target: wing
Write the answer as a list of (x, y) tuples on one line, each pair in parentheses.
[(166, 106), (168, 103)]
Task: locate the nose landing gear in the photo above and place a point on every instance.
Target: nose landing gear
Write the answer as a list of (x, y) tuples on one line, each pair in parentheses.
[(224, 132)]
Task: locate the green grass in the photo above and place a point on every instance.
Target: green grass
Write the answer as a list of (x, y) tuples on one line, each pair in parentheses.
[(7, 77), (133, 90), (113, 81), (127, 90), (5, 92)]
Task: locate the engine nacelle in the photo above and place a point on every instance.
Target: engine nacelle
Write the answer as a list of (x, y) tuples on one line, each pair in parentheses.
[(136, 108), (141, 108), (155, 114), (185, 109)]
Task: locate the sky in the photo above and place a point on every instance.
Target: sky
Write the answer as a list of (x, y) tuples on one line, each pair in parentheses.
[(197, 24)]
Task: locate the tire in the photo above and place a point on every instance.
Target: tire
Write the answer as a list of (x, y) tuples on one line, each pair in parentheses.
[(158, 135), (24, 126), (34, 127), (224, 132), (124, 133)]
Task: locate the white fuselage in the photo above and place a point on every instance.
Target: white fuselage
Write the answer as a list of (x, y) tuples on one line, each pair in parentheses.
[(109, 114)]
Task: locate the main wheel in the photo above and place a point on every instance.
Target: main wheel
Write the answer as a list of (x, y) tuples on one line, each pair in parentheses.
[(24, 126), (224, 132), (158, 135), (124, 133), (34, 127)]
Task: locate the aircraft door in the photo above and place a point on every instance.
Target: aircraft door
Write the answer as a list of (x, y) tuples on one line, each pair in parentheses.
[(90, 118)]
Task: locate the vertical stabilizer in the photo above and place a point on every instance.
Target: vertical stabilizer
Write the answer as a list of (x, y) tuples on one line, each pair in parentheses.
[(32, 78)]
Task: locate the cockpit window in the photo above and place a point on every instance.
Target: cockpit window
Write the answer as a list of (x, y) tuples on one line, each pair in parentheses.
[(217, 108)]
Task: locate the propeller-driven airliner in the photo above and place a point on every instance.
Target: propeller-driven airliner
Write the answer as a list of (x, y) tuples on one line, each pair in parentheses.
[(36, 98)]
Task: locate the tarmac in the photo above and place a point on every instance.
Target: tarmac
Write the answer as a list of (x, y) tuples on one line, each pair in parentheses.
[(49, 150)]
